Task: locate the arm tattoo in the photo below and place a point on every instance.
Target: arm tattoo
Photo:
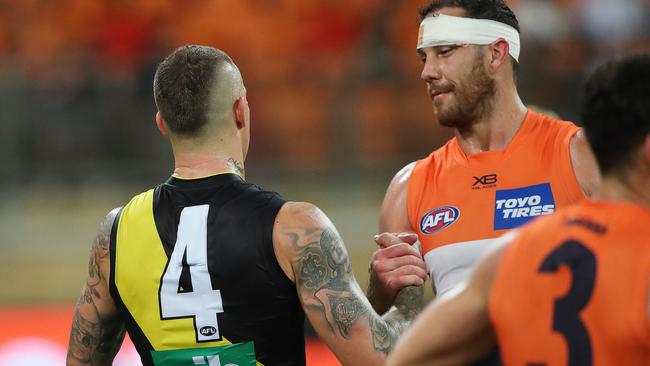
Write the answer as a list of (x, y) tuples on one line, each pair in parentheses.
[(97, 332), (346, 310), (383, 339), (324, 273), (312, 269), (408, 304), (327, 287)]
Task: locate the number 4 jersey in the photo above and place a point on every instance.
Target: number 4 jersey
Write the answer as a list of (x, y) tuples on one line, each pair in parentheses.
[(196, 280), (572, 289)]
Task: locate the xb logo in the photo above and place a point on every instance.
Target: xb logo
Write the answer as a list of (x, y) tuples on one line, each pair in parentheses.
[(485, 181)]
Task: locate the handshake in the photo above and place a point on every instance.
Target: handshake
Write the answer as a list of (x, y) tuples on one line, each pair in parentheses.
[(397, 264)]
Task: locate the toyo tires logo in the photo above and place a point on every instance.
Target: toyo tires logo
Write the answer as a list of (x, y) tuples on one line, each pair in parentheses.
[(515, 207)]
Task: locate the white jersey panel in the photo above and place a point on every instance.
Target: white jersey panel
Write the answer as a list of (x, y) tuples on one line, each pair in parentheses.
[(451, 265)]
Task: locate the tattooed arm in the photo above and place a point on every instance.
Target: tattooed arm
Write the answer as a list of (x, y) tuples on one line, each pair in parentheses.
[(312, 254), (97, 332)]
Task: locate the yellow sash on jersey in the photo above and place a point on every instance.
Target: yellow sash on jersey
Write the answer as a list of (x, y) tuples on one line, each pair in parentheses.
[(140, 261)]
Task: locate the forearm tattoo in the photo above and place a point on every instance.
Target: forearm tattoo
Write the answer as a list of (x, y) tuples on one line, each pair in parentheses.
[(324, 274), (408, 304), (95, 336), (383, 338), (327, 287), (385, 332)]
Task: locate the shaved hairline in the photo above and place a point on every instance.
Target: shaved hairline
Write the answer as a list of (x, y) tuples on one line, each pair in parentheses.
[(227, 85)]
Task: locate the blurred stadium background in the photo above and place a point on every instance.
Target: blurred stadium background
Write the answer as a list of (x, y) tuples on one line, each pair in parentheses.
[(337, 108)]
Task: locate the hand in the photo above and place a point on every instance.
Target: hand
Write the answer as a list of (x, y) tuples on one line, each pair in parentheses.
[(385, 240), (395, 265)]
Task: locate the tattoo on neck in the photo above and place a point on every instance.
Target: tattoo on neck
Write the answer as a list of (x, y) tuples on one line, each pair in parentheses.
[(239, 168)]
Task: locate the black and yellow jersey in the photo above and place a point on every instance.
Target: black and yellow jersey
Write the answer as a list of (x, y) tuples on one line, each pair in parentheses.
[(196, 280)]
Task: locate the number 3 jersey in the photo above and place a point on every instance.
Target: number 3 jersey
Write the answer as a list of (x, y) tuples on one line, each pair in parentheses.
[(572, 289), (458, 204), (196, 280)]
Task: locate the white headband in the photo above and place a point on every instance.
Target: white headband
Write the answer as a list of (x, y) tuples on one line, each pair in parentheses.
[(445, 30)]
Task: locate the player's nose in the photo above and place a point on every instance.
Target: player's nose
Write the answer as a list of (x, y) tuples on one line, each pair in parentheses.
[(430, 70)]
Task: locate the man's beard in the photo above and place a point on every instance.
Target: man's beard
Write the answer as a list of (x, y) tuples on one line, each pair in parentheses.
[(472, 102)]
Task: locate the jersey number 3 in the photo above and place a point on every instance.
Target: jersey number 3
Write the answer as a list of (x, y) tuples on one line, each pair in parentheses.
[(202, 303), (566, 312)]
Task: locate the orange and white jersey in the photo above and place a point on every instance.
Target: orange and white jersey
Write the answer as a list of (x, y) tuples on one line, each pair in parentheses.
[(572, 289), (458, 204)]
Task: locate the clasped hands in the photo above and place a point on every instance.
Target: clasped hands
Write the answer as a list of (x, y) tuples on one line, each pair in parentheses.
[(396, 264)]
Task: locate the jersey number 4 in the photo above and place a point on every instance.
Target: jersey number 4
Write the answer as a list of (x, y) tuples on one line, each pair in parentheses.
[(202, 303), (566, 312)]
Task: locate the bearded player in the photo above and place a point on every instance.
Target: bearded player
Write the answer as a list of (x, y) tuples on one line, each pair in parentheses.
[(505, 166), (572, 288)]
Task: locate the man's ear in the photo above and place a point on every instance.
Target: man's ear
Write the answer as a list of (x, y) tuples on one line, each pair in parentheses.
[(239, 111), (161, 125), (500, 53)]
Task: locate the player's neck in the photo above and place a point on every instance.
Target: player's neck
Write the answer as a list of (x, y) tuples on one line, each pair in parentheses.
[(198, 163), (630, 188), (495, 130)]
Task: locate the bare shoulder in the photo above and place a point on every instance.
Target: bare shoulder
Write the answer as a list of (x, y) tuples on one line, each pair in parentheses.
[(299, 219), (100, 250), (298, 225), (299, 213), (394, 215), (584, 163), (401, 178), (580, 145), (99, 263), (97, 331), (106, 225)]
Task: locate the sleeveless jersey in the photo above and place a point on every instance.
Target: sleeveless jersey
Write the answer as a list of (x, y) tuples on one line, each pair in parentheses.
[(458, 204), (572, 289), (196, 280)]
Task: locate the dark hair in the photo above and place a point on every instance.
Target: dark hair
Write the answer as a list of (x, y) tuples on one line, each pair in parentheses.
[(182, 86), (616, 110), (496, 10)]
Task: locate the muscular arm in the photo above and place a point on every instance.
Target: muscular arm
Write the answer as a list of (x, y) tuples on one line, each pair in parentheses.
[(392, 268), (394, 216), (312, 254), (584, 164), (97, 332), (463, 332)]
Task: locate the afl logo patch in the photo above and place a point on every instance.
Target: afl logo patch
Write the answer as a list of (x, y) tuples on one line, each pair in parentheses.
[(208, 331), (438, 219)]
